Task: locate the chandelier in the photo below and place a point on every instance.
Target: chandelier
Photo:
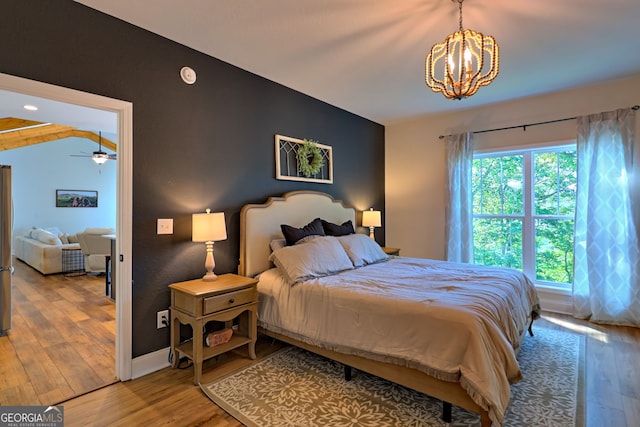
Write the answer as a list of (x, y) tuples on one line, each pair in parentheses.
[(466, 60)]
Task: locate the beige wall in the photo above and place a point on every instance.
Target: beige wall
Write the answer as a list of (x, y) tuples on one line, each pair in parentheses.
[(415, 169)]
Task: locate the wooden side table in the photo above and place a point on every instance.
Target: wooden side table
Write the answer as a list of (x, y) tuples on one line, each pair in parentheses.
[(391, 251), (197, 302)]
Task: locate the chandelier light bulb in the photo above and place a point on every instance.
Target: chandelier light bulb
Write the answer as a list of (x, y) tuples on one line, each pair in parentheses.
[(467, 58)]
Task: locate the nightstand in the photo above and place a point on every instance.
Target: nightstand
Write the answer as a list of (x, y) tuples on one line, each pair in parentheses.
[(391, 251), (197, 302)]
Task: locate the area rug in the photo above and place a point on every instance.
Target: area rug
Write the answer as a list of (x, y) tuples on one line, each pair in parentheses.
[(293, 387)]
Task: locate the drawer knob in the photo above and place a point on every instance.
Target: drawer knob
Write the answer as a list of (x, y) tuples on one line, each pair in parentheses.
[(231, 301)]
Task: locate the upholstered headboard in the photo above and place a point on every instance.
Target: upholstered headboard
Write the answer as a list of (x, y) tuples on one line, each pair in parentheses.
[(260, 223)]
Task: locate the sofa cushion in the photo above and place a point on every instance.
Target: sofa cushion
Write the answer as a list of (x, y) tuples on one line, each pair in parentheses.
[(53, 230), (45, 236)]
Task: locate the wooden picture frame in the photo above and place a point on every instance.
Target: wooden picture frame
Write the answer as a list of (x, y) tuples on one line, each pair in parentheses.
[(287, 165), (76, 199)]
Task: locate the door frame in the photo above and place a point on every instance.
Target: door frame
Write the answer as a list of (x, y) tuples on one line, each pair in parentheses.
[(124, 112)]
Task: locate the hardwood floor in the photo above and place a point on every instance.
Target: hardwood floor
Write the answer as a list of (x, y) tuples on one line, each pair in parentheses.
[(163, 398), (62, 340), (610, 385), (611, 381)]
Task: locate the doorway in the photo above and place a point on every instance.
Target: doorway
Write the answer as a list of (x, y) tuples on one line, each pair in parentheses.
[(124, 112)]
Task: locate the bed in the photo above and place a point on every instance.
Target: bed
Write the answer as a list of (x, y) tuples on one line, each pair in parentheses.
[(454, 336)]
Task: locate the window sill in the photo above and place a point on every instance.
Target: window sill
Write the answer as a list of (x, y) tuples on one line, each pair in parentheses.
[(553, 289), (555, 299)]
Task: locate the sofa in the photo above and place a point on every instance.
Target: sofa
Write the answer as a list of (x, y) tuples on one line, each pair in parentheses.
[(42, 250)]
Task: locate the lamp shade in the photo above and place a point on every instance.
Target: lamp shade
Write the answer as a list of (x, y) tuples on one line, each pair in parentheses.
[(208, 227), (371, 218)]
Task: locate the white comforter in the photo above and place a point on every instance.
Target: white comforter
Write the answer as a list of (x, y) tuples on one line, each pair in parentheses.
[(457, 322)]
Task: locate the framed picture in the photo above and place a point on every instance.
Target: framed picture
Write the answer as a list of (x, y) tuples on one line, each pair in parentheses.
[(76, 199), (288, 165)]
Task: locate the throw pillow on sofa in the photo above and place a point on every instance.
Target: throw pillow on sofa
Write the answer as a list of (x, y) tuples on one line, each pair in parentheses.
[(56, 232), (44, 236)]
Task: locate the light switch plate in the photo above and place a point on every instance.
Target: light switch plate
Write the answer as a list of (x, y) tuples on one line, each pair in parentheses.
[(165, 225)]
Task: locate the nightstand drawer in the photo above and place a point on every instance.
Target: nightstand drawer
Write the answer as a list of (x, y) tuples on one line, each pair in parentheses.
[(229, 300)]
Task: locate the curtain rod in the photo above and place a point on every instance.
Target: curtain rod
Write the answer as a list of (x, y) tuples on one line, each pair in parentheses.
[(524, 127)]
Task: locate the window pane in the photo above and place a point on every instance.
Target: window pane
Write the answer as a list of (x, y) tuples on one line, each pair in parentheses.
[(568, 162), (497, 185), (555, 183), (498, 193), (554, 250), (498, 241)]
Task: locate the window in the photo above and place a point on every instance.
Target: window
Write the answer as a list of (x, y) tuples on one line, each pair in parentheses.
[(523, 211)]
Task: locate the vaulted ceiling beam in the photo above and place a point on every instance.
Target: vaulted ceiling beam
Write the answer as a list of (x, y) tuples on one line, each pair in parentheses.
[(16, 133)]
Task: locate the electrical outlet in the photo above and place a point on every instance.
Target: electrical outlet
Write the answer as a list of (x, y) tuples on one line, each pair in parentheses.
[(162, 320)]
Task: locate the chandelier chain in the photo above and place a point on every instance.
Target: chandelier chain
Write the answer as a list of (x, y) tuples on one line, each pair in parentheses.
[(460, 8)]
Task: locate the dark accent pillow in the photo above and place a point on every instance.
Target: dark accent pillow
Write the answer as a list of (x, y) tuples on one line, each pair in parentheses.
[(331, 229), (293, 234)]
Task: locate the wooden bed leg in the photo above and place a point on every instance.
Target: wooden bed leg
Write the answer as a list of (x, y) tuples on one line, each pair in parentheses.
[(531, 327), (347, 373), (485, 421), (446, 411)]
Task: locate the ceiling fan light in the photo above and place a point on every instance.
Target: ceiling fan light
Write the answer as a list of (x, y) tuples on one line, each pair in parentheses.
[(100, 157)]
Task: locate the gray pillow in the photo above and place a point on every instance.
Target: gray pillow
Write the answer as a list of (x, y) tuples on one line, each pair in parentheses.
[(362, 250), (319, 257), (277, 244)]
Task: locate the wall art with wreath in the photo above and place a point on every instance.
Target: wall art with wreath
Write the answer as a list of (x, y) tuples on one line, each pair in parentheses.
[(303, 160)]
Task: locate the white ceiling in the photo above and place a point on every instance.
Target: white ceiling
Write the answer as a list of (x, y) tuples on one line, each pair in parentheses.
[(367, 56), (50, 111)]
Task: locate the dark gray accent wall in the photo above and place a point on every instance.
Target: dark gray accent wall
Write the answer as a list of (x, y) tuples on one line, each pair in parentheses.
[(210, 144)]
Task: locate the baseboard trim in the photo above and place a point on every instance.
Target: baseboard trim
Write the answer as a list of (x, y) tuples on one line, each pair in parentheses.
[(150, 362), (555, 301)]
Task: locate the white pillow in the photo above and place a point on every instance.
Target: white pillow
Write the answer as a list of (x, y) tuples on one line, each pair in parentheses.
[(33, 233), (319, 257), (362, 250), (53, 230), (45, 237)]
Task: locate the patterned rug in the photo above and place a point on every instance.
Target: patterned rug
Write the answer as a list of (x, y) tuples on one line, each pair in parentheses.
[(293, 387)]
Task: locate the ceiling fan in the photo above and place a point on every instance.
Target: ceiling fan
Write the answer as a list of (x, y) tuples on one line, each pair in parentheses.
[(99, 157)]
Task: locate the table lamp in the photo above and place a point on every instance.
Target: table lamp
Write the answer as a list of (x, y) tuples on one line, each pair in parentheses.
[(209, 227), (371, 219)]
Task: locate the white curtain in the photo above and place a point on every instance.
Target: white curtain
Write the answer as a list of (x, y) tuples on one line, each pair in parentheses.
[(459, 212), (606, 285)]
